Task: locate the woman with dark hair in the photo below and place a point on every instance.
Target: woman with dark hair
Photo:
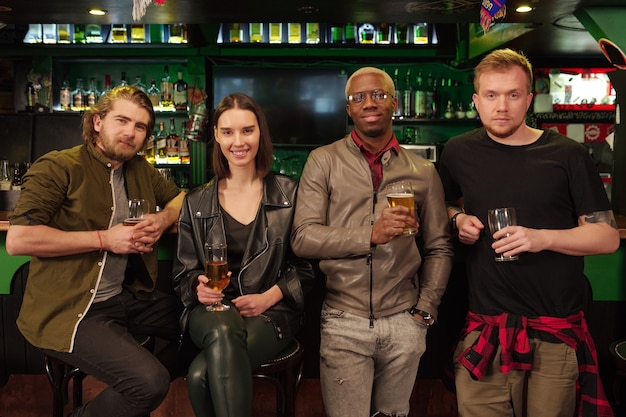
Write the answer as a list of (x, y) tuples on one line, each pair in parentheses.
[(250, 209)]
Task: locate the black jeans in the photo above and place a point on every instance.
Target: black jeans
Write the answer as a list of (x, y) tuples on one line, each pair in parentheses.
[(105, 348)]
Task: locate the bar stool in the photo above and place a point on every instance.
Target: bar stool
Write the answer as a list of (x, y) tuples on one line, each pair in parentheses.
[(60, 373), (284, 371), (618, 353)]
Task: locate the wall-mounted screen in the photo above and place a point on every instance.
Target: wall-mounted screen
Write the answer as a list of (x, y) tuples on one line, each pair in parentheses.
[(302, 105)]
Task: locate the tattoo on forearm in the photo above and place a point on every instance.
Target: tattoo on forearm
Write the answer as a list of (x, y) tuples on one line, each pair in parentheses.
[(601, 217)]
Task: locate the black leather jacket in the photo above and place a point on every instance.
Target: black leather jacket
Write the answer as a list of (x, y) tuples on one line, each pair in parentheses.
[(268, 258)]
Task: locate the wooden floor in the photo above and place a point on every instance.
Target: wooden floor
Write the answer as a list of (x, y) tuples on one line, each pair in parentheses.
[(30, 396)]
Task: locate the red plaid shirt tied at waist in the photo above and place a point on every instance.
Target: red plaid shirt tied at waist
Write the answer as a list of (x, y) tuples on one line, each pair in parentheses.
[(511, 332)]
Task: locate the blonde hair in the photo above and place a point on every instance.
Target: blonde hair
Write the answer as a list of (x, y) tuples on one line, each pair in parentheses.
[(501, 60), (389, 86)]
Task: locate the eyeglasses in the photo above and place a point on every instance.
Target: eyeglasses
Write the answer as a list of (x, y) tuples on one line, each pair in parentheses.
[(377, 95)]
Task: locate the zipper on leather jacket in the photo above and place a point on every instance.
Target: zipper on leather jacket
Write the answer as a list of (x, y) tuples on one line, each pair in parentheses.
[(369, 262)]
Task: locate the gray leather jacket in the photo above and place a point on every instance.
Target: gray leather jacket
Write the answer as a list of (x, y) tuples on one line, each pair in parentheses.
[(268, 259), (336, 210)]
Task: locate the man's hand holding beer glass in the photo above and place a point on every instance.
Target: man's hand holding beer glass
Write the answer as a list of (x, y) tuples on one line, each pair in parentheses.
[(399, 218)]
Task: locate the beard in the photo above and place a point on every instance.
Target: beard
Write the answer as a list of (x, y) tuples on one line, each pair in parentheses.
[(108, 149), (503, 133)]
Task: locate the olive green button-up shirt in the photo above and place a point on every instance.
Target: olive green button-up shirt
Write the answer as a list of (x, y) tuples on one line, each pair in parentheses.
[(71, 190)]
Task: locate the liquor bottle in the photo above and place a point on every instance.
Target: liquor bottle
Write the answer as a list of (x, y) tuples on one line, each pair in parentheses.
[(32, 98), (420, 33), (79, 33), (402, 33), (336, 34), (173, 156), (137, 33), (312, 33), (123, 80), (65, 95), (161, 144), (350, 34), (139, 84), (157, 34), (407, 97), (119, 34), (367, 34), (93, 33), (276, 32), (166, 90), (63, 33), (180, 93), (154, 94), (5, 179), (420, 97), (235, 33), (16, 183), (399, 111), (149, 154), (256, 32), (92, 94), (384, 33), (183, 149), (177, 33), (107, 85), (293, 32), (78, 96), (34, 34), (49, 33), (431, 100)]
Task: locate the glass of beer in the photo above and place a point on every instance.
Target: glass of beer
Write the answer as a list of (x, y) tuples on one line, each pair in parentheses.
[(216, 270), (401, 194), (500, 218), (137, 210)]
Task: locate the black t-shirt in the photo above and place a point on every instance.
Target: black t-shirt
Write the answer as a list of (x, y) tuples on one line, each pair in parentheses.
[(237, 236), (550, 183)]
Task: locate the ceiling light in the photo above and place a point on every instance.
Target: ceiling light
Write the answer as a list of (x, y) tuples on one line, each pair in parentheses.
[(523, 9), (5, 9), (98, 12)]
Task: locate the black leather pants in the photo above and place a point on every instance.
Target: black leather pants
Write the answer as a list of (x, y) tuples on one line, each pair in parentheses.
[(219, 379)]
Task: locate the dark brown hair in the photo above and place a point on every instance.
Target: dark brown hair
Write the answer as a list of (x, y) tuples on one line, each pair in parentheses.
[(264, 155), (105, 104)]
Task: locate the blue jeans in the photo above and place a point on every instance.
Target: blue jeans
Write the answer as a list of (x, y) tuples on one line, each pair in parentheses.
[(369, 371), (105, 348)]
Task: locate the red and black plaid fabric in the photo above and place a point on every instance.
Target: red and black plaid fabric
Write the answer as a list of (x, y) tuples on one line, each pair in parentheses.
[(511, 332)]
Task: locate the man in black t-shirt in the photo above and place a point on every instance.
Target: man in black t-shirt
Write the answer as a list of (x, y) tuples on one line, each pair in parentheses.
[(526, 340)]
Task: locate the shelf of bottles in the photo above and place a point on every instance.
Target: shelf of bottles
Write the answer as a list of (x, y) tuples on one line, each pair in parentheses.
[(67, 33), (311, 33), (176, 147)]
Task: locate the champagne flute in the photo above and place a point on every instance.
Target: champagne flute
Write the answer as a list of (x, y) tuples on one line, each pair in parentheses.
[(137, 209), (216, 270), (500, 218), (401, 194)]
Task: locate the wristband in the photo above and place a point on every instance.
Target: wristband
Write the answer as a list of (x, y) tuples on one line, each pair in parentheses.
[(99, 239)]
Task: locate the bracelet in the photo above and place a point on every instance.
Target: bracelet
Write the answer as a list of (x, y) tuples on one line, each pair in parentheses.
[(99, 239)]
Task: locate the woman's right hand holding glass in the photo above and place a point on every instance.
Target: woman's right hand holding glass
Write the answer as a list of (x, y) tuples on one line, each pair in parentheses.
[(207, 295)]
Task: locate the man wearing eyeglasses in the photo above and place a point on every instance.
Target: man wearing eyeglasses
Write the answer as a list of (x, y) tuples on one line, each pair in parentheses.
[(382, 293)]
